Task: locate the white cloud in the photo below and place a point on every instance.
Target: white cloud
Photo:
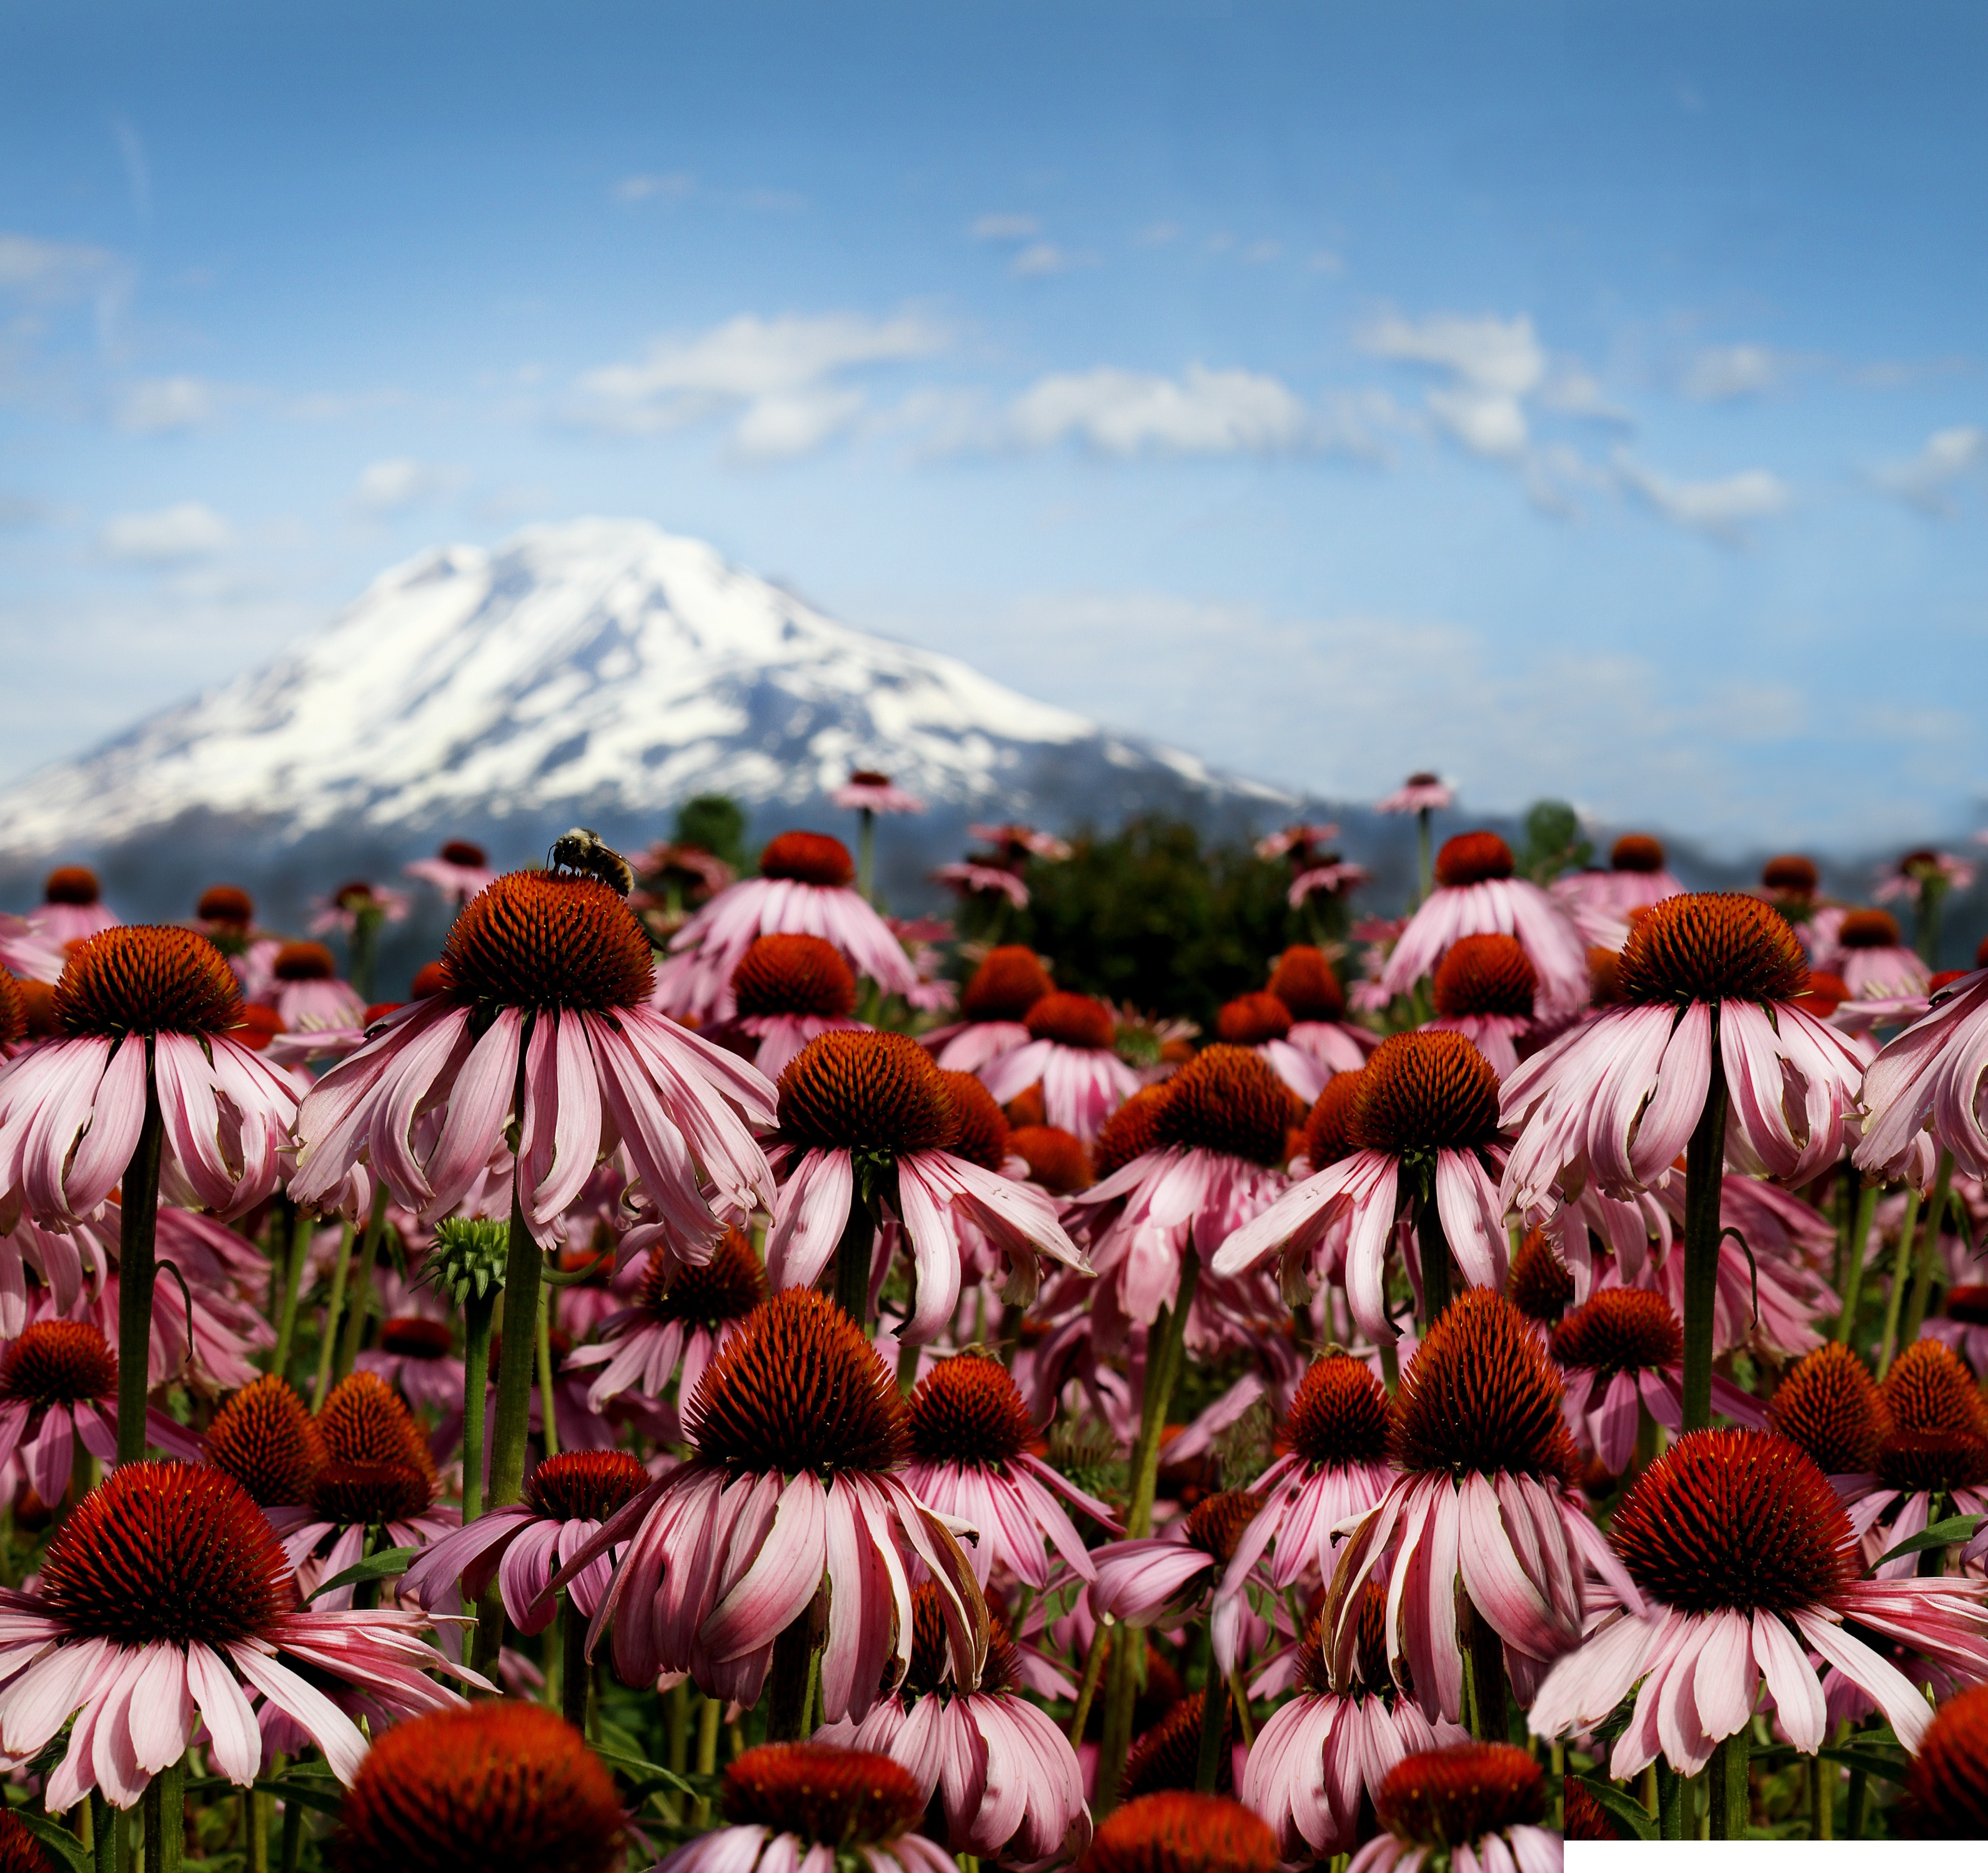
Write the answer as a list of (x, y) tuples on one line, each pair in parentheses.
[(1494, 364), (1573, 390), (1006, 227), (1258, 251), (170, 406), (784, 377), (1202, 412), (1926, 480), (1325, 261), (1721, 509), (399, 485), (675, 186), (1730, 374), (166, 536), (1158, 234), (1042, 259), (49, 271)]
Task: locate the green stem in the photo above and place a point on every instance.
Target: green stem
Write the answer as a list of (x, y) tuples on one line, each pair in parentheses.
[(1245, 1723), (1086, 1689), (138, 1229), (1853, 1275), (708, 1715), (165, 1819), (1705, 1169), (1732, 1798), (1936, 1219), (1671, 1788), (1012, 1317), (1902, 1271), (1435, 1256), (514, 1374), (103, 1833), (365, 937), (577, 1677), (852, 1261), (549, 1428), (1489, 1704), (1860, 1789), (327, 1352), (1214, 1714), (477, 1311), (293, 1284), (293, 1835), (256, 1820), (1821, 1800), (787, 1680), (866, 854), (1425, 871), (362, 1284)]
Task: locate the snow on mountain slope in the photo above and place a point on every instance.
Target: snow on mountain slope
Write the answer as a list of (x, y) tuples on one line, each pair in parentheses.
[(603, 663)]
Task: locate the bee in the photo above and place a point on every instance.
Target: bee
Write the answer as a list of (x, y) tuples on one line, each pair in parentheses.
[(583, 851)]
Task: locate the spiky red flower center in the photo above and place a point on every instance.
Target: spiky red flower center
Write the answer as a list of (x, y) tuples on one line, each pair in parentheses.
[(1583, 1818), (808, 858), (1540, 1287), (1130, 1132), (798, 1387), (1007, 985), (1304, 982), (304, 962), (71, 884), (1968, 1303), (1869, 930), (1180, 1831), (584, 1485), (1339, 1414), (1711, 946), (1055, 1158), (1251, 1020), (20, 1851), (1071, 1020), (967, 1410), (147, 978), (1215, 1523), (410, 1336), (1470, 858), (1735, 1521), (1450, 1798), (225, 904), (1946, 1785), (1481, 1394), (1933, 1461), (858, 1090), (1228, 1100), (364, 1422), (1791, 872), (268, 1442), (13, 1011), (1637, 852), (166, 1553), (1328, 1126), (430, 979), (504, 1787), (462, 852), (1431, 1091), (1826, 1404), (1620, 1330), (531, 940), (1168, 1754), (1928, 1389), (728, 1287), (983, 1136), (1485, 975), (59, 1362), (930, 1667), (787, 974), (366, 1494), (836, 1798), (1604, 978)]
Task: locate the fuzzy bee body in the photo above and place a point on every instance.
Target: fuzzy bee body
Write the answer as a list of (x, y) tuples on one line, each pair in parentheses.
[(583, 851)]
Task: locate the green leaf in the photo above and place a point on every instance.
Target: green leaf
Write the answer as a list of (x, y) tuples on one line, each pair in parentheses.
[(1940, 1535), (59, 1839), (637, 1770), (1624, 1810), (1872, 1765), (385, 1565)]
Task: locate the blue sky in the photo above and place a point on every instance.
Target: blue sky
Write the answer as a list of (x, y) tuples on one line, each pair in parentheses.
[(1584, 399)]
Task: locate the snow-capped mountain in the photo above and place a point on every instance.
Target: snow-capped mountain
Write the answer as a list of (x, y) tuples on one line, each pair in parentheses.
[(600, 671)]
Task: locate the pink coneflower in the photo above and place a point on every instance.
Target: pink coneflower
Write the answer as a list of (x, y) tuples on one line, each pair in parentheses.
[(546, 991), (521, 1547), (1332, 1465), (1321, 1759), (1015, 842), (55, 1258), (1483, 1803), (1963, 1325), (806, 887), (163, 1602), (308, 993), (1009, 982), (1178, 1830), (459, 870), (264, 1440), (1945, 1797), (1743, 1562), (1482, 1498), (681, 1316), (970, 1432), (973, 878), (1929, 1080), (1789, 882), (1872, 956), (1304, 983), (58, 1389), (789, 1805), (1484, 990), (1476, 895), (865, 791), (26, 953), (1601, 902), (1298, 837), (1827, 1404), (786, 990), (415, 1354), (877, 1103), (798, 1437), (1418, 793), (1623, 1349), (1262, 1023), (1423, 1122), (1069, 1051), (358, 904), (71, 907), (1931, 1461), (1007, 1780), (1330, 879), (1199, 1567), (1920, 871)]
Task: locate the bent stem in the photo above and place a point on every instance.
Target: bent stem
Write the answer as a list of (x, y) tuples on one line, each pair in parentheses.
[(1705, 1168), (138, 1229), (1935, 1219), (1853, 1273), (1086, 1689)]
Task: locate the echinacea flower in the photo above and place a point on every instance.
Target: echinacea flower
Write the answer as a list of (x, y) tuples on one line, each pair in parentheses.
[(1422, 1120), (1180, 1831), (1009, 982), (1790, 881), (807, 886), (1058, 1161), (798, 1439), (970, 1432), (1304, 981), (1200, 1565), (543, 1022), (1421, 792), (1922, 870), (1298, 837), (264, 1440), (1166, 1755), (1932, 1459), (1601, 902), (786, 990), (504, 1787), (415, 1354), (308, 993), (1827, 1404), (1946, 1789), (1333, 1467), (353, 906), (1873, 958), (1006, 1778), (791, 1805), (1484, 990), (1263, 1023), (164, 1601), (866, 791), (72, 906), (1476, 895), (1743, 1562), (1927, 1079), (523, 1545), (459, 870), (1069, 1051), (875, 1105), (1483, 1803), (1962, 1324), (971, 878)]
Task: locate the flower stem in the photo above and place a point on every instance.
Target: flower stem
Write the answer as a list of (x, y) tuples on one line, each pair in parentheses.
[(1435, 1247), (576, 1673), (1425, 873), (1214, 1715), (477, 1311), (708, 1715), (165, 1819), (1853, 1273), (138, 1229), (514, 1374), (362, 1285), (327, 1350), (298, 1250), (852, 1263), (866, 854), (1935, 1218), (1732, 1797), (543, 1337), (1672, 1789), (104, 1824), (1492, 1723), (787, 1682), (1705, 1167), (1086, 1689), (1902, 1270)]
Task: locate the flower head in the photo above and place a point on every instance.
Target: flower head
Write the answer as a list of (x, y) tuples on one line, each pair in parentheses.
[(1179, 1831), (1827, 1404), (1946, 1787), (1458, 1801), (1304, 982), (268, 1442)]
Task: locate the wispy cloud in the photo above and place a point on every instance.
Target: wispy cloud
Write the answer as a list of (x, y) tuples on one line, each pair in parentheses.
[(1005, 227), (1157, 234), (679, 185), (1042, 259), (165, 536), (1725, 508), (1927, 480), (401, 485), (171, 406), (52, 271), (1493, 365), (1733, 374)]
